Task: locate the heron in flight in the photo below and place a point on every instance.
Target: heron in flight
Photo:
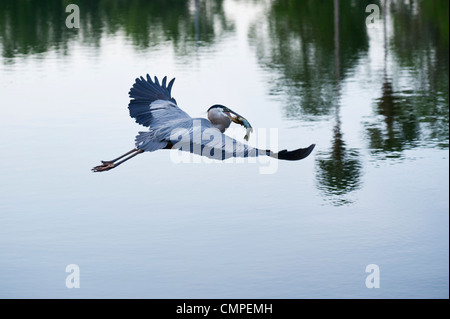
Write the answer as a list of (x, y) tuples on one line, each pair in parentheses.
[(170, 127)]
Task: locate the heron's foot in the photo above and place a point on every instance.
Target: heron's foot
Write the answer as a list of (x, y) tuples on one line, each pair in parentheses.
[(106, 166), (107, 162)]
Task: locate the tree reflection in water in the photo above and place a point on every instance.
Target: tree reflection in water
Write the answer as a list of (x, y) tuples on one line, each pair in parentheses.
[(306, 48), (34, 27), (338, 169)]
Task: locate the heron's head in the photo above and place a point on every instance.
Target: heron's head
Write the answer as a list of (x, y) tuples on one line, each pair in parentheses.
[(221, 117)]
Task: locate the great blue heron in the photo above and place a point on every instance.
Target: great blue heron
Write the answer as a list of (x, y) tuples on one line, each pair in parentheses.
[(170, 127)]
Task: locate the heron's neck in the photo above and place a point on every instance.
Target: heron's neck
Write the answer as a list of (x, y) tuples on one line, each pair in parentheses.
[(219, 120), (221, 126)]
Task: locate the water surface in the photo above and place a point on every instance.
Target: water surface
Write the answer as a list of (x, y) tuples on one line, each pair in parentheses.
[(373, 97)]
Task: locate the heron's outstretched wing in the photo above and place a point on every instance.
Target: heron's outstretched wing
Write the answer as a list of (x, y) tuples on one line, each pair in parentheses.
[(200, 137), (151, 103)]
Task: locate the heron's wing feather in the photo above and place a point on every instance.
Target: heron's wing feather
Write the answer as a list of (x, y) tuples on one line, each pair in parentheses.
[(220, 146), (152, 104), (200, 137), (149, 142)]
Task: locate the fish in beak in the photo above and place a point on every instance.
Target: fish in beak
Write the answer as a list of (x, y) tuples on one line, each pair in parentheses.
[(236, 118)]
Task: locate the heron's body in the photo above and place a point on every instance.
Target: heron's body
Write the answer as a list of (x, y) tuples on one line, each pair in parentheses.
[(153, 106)]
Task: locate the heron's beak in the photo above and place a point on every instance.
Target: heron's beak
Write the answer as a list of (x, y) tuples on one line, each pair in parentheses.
[(236, 118)]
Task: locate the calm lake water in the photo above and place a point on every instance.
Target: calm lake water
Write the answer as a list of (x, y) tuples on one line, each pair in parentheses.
[(371, 92)]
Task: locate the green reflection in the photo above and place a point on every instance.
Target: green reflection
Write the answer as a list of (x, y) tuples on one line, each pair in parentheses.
[(416, 114), (307, 55), (338, 169), (302, 47), (296, 43), (400, 127), (31, 27)]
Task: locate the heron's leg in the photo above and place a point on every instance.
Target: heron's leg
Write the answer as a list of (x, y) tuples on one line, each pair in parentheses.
[(106, 166), (129, 157), (121, 156)]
